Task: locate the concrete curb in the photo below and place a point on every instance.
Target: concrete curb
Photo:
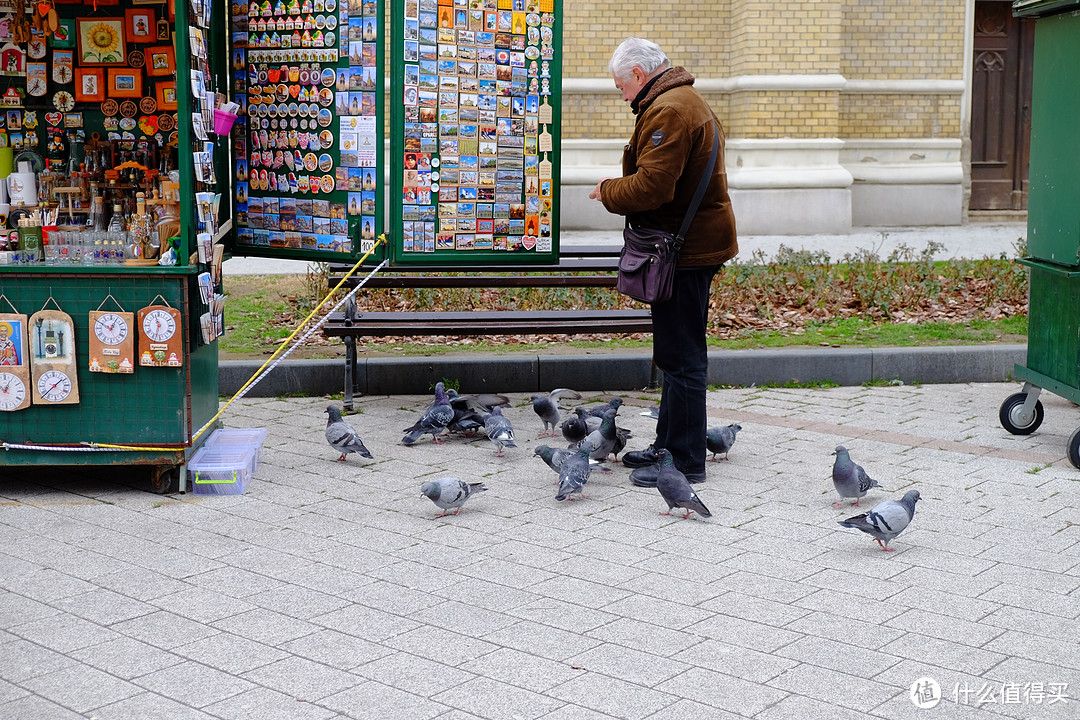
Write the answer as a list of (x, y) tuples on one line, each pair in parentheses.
[(541, 373)]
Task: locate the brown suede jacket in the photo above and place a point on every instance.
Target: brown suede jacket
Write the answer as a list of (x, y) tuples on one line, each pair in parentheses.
[(662, 166)]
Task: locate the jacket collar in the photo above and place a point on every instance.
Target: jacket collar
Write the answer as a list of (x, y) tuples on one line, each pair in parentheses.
[(671, 78)]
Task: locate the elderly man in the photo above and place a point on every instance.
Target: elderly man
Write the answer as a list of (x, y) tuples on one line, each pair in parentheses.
[(663, 164)]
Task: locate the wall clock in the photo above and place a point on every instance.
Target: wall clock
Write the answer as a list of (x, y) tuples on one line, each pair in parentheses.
[(13, 395), (54, 386), (160, 337)]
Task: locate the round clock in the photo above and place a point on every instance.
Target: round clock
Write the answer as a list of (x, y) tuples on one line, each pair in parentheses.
[(111, 329), (36, 86), (12, 391), (159, 325), (36, 49), (54, 386), (63, 101), (62, 74)]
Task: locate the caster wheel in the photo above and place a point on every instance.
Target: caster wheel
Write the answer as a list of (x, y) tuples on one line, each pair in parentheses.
[(1012, 419), (1073, 449), (164, 480)]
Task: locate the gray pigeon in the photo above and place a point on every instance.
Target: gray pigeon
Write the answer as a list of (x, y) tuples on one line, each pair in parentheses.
[(574, 429), (601, 442), (547, 408), (553, 457), (621, 434), (849, 479), (720, 439), (676, 490), (450, 492), (612, 404), (466, 421), (480, 402), (573, 474), (499, 430), (341, 435), (433, 420), (887, 520)]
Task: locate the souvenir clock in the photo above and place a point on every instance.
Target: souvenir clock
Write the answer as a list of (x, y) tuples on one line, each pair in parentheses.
[(112, 342), (160, 337), (13, 395), (52, 358)]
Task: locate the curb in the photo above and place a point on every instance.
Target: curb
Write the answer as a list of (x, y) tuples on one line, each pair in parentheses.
[(541, 373)]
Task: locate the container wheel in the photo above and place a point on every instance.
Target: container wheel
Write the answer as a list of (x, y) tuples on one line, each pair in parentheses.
[(1012, 419), (1073, 449), (164, 479)]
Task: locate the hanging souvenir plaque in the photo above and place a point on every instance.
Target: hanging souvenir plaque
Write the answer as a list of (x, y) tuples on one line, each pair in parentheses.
[(14, 364), (160, 336), (112, 340), (52, 357)]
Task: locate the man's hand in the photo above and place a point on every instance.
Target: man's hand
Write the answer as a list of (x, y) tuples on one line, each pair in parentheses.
[(595, 194)]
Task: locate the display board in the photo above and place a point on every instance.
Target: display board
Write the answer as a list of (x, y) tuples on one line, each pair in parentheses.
[(308, 167), (474, 160)]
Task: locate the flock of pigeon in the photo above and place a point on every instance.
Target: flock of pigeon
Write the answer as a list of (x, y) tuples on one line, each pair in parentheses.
[(593, 437)]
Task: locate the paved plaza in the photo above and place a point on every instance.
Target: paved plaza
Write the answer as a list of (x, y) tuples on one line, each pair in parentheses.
[(329, 590)]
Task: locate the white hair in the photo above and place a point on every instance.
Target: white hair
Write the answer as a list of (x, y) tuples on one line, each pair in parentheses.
[(637, 52)]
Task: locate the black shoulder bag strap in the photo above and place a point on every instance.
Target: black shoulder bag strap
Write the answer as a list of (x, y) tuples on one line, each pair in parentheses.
[(691, 211)]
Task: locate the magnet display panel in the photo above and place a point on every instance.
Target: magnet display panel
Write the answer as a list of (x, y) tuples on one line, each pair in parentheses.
[(308, 170), (475, 138)]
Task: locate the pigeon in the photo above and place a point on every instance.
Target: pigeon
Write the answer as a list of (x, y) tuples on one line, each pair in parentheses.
[(547, 408), (434, 420), (849, 479), (720, 439), (481, 402), (341, 435), (450, 492), (676, 490), (574, 429), (621, 434), (466, 421), (499, 430), (599, 410), (887, 520), (573, 474), (601, 442), (553, 457)]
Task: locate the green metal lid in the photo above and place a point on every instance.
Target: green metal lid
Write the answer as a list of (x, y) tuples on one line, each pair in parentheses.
[(1043, 8)]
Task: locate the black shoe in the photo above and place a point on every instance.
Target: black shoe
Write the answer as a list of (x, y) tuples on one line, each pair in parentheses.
[(645, 476), (640, 458)]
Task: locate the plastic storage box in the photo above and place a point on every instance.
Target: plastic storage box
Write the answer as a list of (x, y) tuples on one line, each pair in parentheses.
[(240, 438), (221, 470)]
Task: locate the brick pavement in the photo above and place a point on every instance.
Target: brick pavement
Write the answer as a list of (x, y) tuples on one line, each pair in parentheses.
[(329, 591)]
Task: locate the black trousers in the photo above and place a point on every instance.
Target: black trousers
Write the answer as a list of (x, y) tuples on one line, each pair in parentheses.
[(679, 350)]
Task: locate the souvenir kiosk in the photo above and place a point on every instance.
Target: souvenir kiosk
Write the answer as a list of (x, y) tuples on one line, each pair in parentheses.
[(143, 142)]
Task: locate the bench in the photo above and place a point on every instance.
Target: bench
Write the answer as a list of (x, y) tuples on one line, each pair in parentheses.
[(578, 266)]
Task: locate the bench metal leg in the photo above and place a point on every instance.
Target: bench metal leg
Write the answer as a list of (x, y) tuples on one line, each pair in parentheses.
[(654, 379), (350, 371)]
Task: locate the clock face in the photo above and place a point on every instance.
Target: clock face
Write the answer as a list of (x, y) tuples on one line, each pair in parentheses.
[(111, 329), (36, 87), (54, 386), (63, 101), (12, 391), (158, 325)]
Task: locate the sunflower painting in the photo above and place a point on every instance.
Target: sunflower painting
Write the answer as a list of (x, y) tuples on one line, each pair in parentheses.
[(101, 41)]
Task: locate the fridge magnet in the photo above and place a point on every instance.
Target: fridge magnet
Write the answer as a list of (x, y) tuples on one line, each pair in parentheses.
[(109, 107), (100, 41), (12, 60), (36, 79), (136, 59), (163, 30), (125, 82), (52, 357), (64, 36), (166, 95)]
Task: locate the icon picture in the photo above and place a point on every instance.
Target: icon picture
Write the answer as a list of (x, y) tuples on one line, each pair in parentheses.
[(925, 693)]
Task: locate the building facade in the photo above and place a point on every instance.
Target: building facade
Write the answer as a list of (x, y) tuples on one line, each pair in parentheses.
[(837, 112)]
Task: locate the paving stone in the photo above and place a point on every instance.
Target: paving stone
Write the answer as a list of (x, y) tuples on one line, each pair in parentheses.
[(690, 710), (521, 669), (148, 706), (541, 640), (833, 687), (628, 664), (945, 653), (80, 687), (612, 695), (797, 707), (194, 684), (724, 692), (303, 678), (645, 636), (32, 707), (843, 657), (491, 699), (754, 635), (266, 704), (734, 660)]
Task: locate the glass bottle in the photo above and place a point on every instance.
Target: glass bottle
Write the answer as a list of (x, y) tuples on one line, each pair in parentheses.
[(141, 228)]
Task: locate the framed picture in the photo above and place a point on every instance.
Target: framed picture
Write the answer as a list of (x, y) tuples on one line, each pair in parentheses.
[(140, 25), (125, 82), (166, 95), (100, 41), (160, 60), (89, 84), (64, 37)]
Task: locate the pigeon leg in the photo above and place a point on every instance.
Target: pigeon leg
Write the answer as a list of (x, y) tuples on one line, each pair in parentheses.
[(435, 439), (855, 503), (666, 513), (342, 458), (884, 546), (687, 515), (726, 456), (442, 514), (458, 510), (838, 503), (713, 458)]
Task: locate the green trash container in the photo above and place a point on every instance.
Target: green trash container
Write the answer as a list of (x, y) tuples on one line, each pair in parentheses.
[(1053, 355)]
